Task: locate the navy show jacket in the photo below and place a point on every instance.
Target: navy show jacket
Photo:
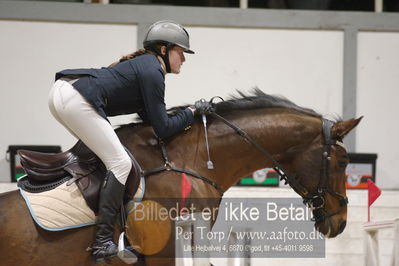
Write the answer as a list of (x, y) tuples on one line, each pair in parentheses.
[(133, 86)]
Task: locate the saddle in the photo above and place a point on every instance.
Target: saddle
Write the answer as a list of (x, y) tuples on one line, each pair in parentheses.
[(79, 164)]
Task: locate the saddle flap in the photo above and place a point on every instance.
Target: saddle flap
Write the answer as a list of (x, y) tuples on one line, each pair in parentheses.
[(133, 180), (88, 178), (79, 170)]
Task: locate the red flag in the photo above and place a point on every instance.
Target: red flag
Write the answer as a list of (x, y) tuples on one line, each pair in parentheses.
[(185, 190), (374, 191)]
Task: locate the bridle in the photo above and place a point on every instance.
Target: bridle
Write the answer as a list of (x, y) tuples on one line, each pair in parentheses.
[(314, 200)]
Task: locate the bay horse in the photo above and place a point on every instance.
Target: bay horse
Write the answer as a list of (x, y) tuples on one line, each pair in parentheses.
[(294, 137)]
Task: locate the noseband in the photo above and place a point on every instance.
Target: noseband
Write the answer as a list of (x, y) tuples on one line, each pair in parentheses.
[(315, 200)]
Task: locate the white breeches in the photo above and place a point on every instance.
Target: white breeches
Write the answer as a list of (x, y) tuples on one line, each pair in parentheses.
[(73, 111)]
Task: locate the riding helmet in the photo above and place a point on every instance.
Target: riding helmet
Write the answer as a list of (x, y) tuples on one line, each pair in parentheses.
[(168, 33)]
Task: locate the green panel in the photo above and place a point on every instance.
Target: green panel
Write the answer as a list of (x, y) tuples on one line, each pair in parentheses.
[(251, 181), (18, 176)]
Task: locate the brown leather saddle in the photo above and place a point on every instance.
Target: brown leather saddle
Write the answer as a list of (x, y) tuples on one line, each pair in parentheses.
[(80, 165)]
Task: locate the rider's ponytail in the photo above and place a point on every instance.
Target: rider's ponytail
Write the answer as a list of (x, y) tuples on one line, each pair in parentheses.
[(155, 50), (130, 56)]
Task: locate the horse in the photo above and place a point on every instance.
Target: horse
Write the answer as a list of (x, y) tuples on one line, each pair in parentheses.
[(271, 130)]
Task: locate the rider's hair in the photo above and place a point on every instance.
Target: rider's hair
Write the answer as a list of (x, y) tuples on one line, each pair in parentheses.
[(130, 56), (135, 54)]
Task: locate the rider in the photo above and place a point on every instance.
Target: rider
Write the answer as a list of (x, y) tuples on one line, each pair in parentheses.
[(81, 100)]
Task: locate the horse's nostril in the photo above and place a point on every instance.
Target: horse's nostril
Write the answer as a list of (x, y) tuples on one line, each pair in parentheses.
[(342, 226)]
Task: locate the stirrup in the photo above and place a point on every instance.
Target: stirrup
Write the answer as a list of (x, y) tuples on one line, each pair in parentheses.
[(100, 258), (124, 253)]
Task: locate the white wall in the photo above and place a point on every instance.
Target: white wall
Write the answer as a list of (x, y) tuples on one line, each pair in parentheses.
[(378, 94), (31, 53), (303, 65)]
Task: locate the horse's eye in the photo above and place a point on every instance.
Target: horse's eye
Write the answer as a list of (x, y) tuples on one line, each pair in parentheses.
[(342, 164)]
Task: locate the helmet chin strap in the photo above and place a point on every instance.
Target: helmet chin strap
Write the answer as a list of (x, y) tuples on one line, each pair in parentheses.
[(166, 58)]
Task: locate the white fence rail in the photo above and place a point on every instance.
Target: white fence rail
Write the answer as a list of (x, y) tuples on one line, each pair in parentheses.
[(372, 249)]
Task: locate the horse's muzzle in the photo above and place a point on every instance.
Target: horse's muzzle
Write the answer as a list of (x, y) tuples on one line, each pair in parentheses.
[(341, 227)]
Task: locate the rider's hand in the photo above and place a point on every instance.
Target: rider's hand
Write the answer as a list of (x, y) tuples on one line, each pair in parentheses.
[(203, 107)]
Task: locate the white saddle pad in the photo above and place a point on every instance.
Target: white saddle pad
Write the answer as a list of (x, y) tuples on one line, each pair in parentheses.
[(64, 207)]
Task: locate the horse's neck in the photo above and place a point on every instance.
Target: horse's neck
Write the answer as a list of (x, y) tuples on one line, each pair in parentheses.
[(277, 132)]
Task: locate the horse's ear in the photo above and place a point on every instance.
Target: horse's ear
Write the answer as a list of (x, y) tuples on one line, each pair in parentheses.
[(341, 129)]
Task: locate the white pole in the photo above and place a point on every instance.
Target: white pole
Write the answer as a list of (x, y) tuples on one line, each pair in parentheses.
[(378, 4), (371, 248), (244, 4), (395, 251)]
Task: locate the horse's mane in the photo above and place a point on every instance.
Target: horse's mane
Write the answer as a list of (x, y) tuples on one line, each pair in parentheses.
[(256, 99)]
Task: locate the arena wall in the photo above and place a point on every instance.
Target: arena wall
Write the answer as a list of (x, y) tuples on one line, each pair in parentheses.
[(338, 63), (378, 79)]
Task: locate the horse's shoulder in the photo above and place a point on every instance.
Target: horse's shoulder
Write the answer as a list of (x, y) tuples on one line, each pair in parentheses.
[(142, 135)]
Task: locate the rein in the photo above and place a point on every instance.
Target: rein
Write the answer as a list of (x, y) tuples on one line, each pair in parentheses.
[(315, 201), (290, 179)]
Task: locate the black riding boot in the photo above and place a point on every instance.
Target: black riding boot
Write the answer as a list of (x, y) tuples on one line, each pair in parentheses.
[(111, 196)]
